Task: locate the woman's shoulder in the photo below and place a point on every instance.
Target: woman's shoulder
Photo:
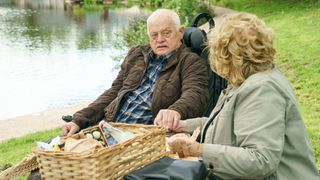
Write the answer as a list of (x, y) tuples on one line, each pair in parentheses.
[(271, 80), (270, 77)]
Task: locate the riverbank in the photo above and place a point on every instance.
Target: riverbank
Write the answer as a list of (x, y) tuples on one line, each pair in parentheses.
[(27, 124), (31, 123)]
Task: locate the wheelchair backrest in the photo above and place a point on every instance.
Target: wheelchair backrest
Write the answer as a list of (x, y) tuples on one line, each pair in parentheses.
[(195, 39)]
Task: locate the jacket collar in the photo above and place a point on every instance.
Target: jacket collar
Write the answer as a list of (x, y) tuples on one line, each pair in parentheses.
[(229, 92), (172, 59)]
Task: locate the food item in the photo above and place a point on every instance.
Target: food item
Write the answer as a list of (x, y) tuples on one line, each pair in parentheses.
[(96, 134), (89, 136), (81, 145), (56, 148), (195, 134), (118, 135), (52, 145)]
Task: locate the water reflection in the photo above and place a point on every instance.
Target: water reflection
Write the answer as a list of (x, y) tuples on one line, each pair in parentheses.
[(54, 55)]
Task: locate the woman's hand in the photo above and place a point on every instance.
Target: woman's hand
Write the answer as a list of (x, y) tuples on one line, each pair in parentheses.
[(184, 145)]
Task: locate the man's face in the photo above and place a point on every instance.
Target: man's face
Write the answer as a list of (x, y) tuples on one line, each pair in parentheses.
[(163, 36)]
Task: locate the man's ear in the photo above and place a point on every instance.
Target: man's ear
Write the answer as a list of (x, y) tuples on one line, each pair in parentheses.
[(181, 31)]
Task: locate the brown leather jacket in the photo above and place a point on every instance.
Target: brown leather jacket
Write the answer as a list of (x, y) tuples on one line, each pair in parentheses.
[(182, 86)]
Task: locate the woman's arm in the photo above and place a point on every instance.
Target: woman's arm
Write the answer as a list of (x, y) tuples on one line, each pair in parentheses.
[(192, 124), (259, 127)]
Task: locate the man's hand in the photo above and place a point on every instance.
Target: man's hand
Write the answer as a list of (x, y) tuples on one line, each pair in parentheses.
[(185, 146), (69, 129), (168, 118), (101, 124)]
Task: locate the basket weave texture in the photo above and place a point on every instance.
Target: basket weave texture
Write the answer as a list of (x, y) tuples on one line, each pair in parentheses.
[(28, 164), (107, 163)]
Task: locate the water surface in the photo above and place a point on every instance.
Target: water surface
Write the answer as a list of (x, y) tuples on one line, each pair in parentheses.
[(52, 55)]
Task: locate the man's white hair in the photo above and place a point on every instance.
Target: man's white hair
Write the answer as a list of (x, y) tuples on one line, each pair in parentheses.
[(165, 12)]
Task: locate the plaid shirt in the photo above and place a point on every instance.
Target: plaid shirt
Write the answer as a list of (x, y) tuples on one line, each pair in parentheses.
[(135, 106)]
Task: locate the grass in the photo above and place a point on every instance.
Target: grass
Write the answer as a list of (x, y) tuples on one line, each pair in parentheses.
[(296, 25), (14, 150)]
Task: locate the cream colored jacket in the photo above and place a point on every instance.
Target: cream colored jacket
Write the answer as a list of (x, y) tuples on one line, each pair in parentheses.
[(259, 133)]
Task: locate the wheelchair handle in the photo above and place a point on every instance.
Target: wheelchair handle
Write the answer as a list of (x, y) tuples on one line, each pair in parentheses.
[(208, 17)]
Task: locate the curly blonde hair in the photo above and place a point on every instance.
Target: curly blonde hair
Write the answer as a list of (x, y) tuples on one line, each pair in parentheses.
[(240, 47)]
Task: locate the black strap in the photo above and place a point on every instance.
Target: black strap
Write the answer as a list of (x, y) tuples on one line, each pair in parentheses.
[(209, 122)]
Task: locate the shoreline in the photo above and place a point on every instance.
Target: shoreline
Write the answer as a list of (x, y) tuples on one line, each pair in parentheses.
[(27, 124)]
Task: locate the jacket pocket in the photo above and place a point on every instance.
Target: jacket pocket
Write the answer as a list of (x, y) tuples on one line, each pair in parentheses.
[(132, 79), (172, 89)]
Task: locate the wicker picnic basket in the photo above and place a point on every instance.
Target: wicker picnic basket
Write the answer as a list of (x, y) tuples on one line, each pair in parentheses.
[(107, 163)]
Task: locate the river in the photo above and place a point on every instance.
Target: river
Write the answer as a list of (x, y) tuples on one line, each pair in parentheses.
[(53, 54)]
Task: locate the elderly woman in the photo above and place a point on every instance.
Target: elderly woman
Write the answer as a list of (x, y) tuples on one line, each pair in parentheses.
[(256, 130)]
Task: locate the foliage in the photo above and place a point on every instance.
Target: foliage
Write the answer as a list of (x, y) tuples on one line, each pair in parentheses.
[(144, 3), (186, 9), (93, 5), (136, 33), (88, 2)]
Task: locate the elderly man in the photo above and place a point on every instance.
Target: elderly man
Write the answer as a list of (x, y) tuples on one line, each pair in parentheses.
[(158, 83)]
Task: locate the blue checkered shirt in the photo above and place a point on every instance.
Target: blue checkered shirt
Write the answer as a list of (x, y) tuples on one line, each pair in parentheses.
[(135, 106)]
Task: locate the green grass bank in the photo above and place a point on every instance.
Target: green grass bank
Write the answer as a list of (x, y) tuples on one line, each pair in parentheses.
[(14, 150)]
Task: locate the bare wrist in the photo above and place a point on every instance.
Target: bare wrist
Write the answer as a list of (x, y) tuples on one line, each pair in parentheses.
[(183, 126)]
